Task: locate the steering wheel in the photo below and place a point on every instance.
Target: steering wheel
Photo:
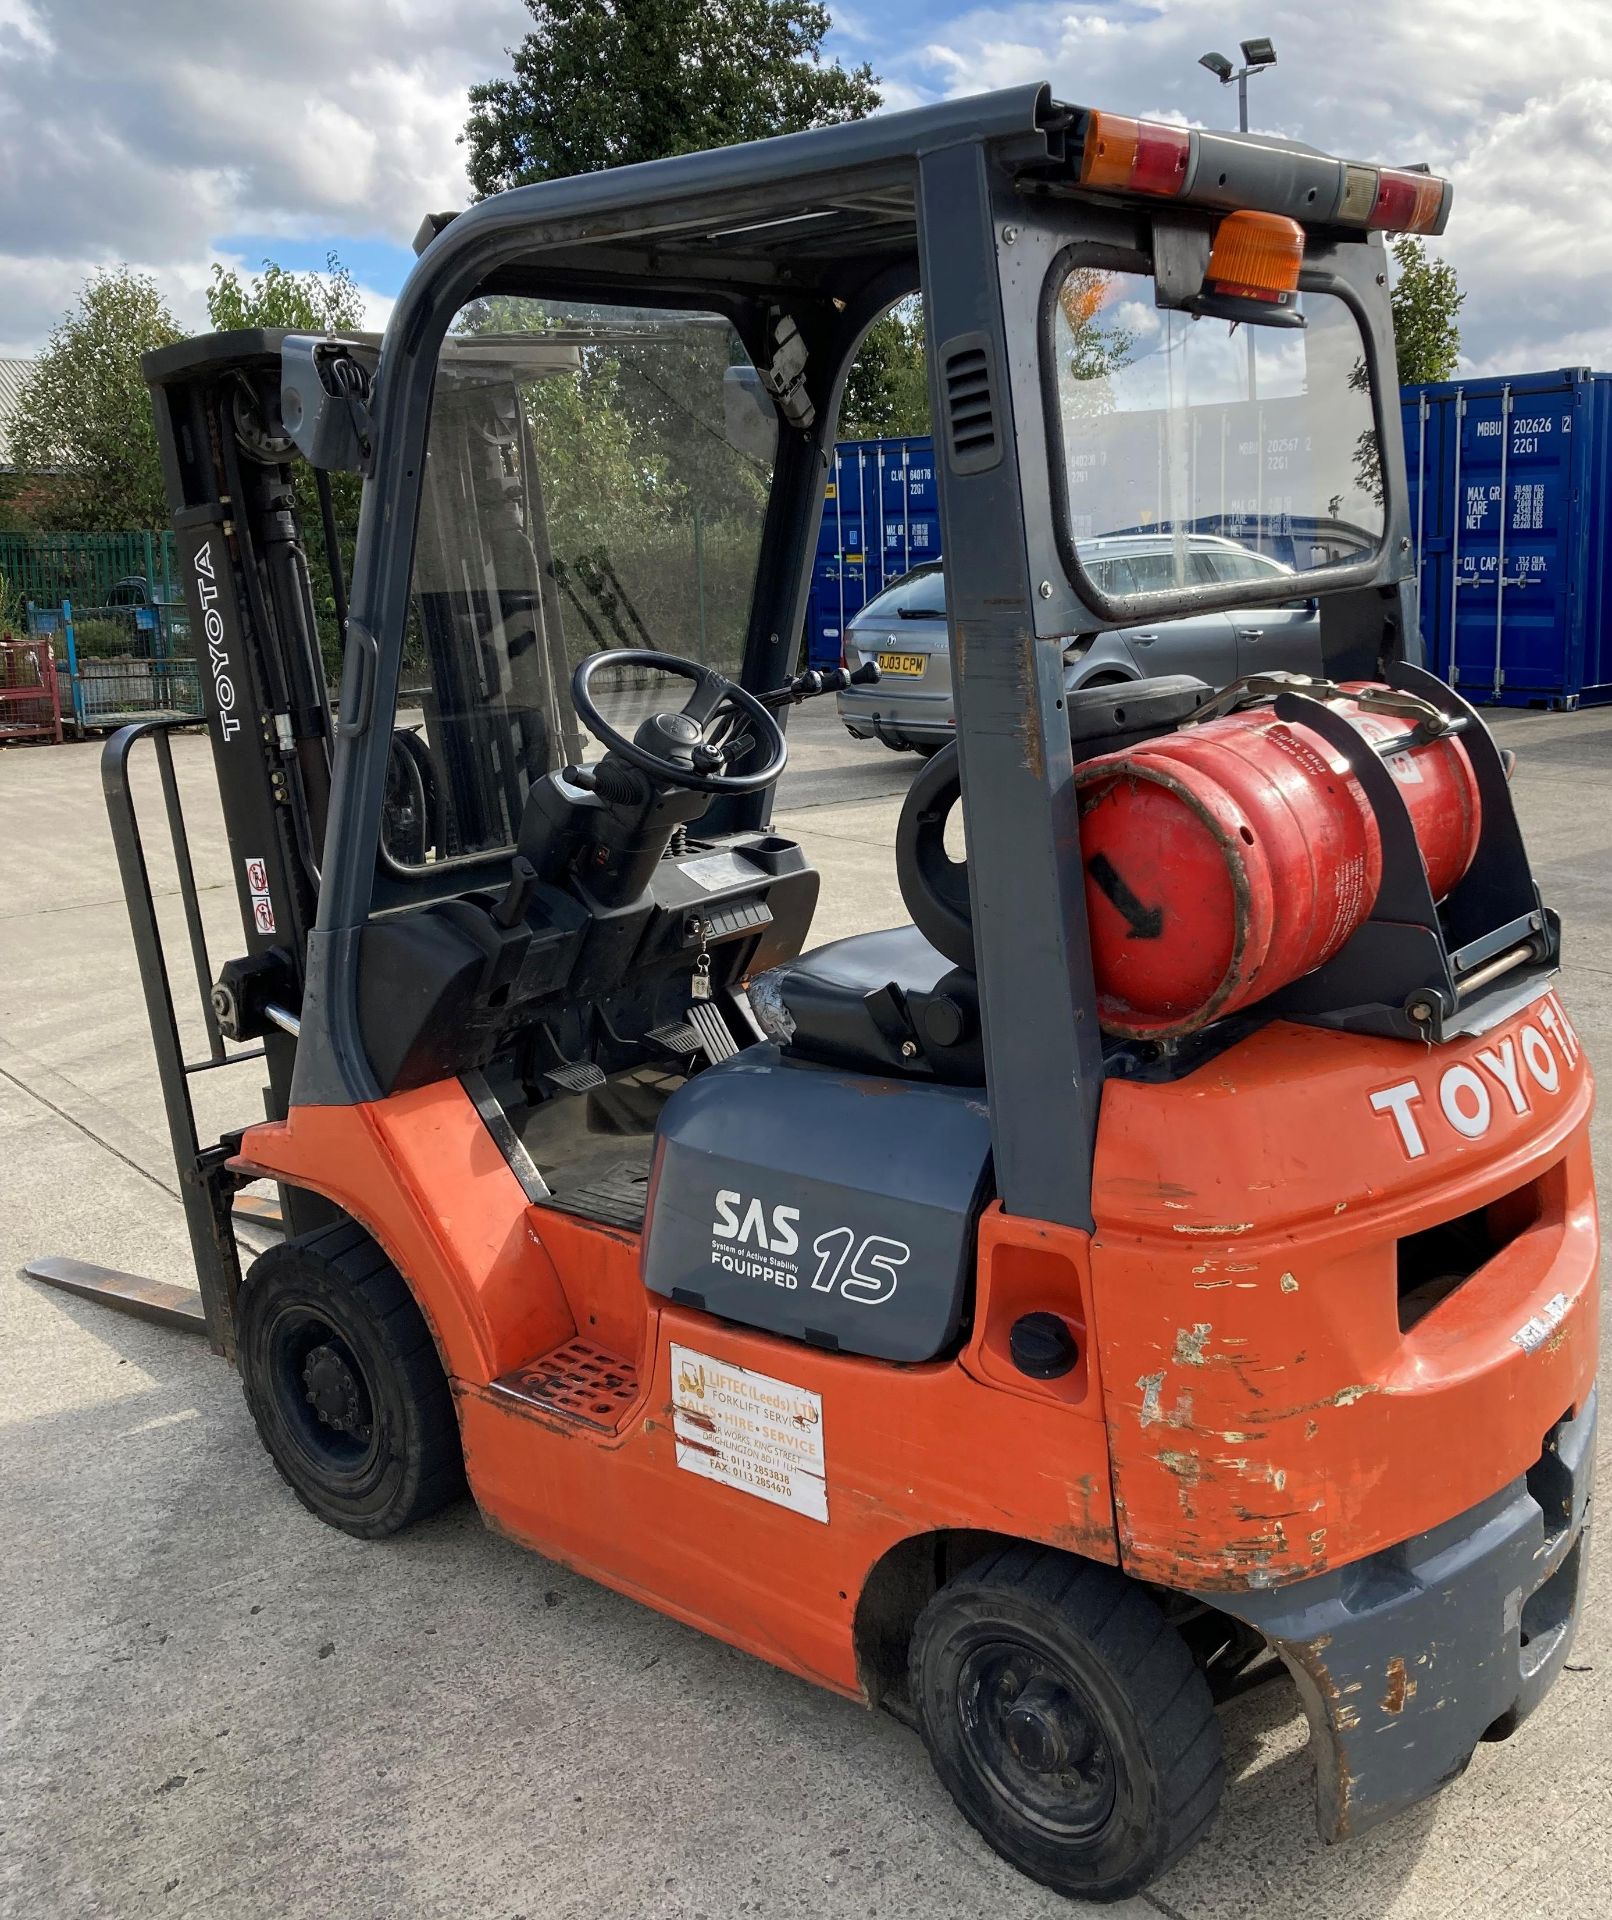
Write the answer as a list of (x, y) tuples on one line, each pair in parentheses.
[(679, 747)]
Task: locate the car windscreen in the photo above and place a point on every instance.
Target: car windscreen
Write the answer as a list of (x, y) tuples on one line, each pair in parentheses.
[(916, 595), (1169, 426)]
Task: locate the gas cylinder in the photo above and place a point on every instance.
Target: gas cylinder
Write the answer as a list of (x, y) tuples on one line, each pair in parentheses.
[(1225, 860)]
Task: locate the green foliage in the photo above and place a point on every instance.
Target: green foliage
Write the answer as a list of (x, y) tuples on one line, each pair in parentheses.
[(604, 83), (86, 411), (1426, 299), (1096, 349), (103, 639), (13, 610), (328, 302), (887, 390), (300, 302), (637, 477)]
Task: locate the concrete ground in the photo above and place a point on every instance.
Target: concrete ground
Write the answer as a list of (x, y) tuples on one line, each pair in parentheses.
[(214, 1706)]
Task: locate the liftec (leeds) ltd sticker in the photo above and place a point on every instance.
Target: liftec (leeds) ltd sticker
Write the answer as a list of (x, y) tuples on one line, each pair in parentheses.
[(748, 1431)]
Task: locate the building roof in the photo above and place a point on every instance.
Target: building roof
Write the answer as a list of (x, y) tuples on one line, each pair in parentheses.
[(13, 373)]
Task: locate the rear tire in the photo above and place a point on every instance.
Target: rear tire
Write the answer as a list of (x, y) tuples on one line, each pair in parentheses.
[(342, 1377), (1067, 1719)]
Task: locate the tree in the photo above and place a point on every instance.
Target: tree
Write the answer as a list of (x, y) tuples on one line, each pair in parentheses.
[(1425, 299), (603, 83), (887, 389), (326, 302), (86, 413)]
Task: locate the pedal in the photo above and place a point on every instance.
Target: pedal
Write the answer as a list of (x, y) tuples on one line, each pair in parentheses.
[(718, 1042), (580, 1076), (677, 1036)]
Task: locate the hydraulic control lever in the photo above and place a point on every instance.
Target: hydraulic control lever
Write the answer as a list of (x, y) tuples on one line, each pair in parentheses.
[(807, 686)]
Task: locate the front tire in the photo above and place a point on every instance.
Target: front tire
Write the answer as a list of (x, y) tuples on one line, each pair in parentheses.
[(343, 1380), (1067, 1719)]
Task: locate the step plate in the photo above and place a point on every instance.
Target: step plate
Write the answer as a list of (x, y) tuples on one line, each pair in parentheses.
[(615, 1198), (580, 1380)]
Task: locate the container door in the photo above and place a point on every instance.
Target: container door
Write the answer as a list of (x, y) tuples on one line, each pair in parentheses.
[(1425, 413), (910, 506), (1514, 579)]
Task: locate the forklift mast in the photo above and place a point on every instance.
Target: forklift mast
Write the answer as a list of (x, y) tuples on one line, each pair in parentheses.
[(232, 472)]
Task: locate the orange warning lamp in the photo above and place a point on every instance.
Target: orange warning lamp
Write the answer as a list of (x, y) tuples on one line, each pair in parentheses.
[(1257, 256)]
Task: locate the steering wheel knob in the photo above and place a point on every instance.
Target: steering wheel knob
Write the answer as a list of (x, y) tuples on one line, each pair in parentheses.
[(669, 733)]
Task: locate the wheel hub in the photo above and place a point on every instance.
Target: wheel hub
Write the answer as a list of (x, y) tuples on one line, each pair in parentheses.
[(335, 1393), (1043, 1729)]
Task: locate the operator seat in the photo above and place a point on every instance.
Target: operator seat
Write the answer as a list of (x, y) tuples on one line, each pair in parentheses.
[(885, 1003), (906, 1001)]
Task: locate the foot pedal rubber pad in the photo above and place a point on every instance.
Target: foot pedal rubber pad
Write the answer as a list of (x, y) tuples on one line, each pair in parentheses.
[(582, 1077), (677, 1036), (718, 1042)]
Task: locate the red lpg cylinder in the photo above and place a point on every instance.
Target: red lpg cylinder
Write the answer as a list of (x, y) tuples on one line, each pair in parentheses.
[(1227, 859)]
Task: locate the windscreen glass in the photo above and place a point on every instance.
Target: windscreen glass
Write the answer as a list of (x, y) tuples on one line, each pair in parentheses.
[(1178, 436), (595, 478), (919, 595)]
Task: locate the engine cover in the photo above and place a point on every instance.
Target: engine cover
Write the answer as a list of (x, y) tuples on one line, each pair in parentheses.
[(869, 1251)]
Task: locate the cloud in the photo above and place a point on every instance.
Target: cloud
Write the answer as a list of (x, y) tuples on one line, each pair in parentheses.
[(169, 123), (152, 132), (1518, 111)]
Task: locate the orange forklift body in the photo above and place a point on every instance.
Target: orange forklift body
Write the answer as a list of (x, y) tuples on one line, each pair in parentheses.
[(1255, 1415)]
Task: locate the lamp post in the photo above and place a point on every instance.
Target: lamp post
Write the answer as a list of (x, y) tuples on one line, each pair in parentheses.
[(1257, 56)]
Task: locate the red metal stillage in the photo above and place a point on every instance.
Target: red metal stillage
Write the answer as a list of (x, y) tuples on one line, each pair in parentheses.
[(30, 700)]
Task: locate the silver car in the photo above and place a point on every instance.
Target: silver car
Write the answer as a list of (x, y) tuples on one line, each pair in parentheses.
[(904, 629)]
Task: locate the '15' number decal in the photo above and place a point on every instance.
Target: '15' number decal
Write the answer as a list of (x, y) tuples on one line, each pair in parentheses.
[(872, 1276)]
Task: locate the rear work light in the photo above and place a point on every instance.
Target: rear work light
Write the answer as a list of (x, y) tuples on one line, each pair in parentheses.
[(1257, 256), (1135, 156), (1233, 171), (1407, 202)]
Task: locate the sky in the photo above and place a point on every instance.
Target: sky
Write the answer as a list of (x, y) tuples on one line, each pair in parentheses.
[(176, 134)]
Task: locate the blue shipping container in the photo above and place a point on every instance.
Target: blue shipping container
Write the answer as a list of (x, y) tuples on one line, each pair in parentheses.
[(881, 517), (1511, 516)]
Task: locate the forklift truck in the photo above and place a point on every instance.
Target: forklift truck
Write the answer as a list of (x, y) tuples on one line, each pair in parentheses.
[(872, 1307)]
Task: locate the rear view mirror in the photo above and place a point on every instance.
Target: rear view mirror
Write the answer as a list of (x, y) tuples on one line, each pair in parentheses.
[(750, 419)]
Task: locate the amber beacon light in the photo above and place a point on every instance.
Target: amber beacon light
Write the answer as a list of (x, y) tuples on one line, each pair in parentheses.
[(1257, 256)]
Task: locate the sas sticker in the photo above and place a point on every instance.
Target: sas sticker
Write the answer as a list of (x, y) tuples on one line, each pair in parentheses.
[(746, 1430)]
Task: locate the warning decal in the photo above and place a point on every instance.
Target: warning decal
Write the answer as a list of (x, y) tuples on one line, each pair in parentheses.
[(760, 1435), (257, 885)]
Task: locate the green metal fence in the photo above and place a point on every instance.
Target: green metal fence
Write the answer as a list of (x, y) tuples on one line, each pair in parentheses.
[(90, 569), (111, 606)]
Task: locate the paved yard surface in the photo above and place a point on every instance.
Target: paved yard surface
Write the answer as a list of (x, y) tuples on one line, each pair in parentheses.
[(213, 1706)]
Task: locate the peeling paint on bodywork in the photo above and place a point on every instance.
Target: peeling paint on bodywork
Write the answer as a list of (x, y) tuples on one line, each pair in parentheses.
[(1189, 1343), (1400, 1686)]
